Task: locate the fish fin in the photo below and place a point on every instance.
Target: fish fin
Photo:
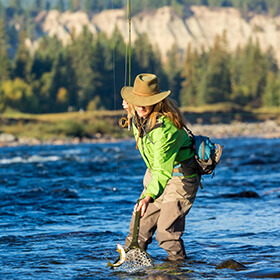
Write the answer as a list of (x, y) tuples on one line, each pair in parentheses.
[(109, 264)]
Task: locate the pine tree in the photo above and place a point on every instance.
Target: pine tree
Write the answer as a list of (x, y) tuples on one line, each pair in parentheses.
[(102, 77), (15, 6), (41, 88), (254, 72), (38, 5), (57, 81), (188, 94), (147, 60), (143, 54), (63, 89), (236, 76), (174, 71), (271, 96), (71, 84), (81, 54), (23, 62), (116, 57), (44, 56), (5, 63), (48, 6), (217, 87), (60, 6)]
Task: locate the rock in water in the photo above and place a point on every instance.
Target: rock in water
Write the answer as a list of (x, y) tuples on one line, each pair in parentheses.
[(161, 276), (232, 264), (247, 194)]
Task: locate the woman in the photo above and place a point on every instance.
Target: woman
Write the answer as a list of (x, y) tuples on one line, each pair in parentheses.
[(168, 196)]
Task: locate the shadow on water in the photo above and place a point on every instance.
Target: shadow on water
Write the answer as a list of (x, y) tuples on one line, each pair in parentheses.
[(64, 208)]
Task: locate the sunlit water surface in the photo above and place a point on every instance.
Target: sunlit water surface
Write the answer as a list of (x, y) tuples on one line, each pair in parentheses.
[(64, 209)]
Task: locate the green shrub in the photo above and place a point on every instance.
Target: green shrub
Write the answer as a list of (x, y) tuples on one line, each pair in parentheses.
[(69, 128)]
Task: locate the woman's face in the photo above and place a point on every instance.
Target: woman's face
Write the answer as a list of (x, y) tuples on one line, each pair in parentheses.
[(143, 111)]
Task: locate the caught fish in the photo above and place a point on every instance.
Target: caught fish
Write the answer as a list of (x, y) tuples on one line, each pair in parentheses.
[(121, 259)]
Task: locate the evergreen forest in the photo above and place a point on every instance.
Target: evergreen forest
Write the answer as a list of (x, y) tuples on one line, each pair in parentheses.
[(271, 7), (89, 73)]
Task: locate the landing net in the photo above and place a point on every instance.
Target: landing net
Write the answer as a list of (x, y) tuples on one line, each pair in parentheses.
[(136, 259)]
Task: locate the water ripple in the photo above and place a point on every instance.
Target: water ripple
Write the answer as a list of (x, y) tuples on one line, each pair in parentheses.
[(64, 208)]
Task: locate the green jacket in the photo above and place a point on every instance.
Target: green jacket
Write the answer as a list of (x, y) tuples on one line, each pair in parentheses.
[(160, 149)]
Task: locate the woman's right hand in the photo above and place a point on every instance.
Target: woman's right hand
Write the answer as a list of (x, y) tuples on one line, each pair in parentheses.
[(142, 205), (125, 105)]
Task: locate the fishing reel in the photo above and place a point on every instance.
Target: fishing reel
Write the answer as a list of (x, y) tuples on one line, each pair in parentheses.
[(123, 122)]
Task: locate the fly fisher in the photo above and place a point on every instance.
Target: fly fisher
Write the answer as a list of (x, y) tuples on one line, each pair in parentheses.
[(171, 180)]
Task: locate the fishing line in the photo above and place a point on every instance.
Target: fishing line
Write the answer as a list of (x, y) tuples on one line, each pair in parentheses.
[(127, 61), (115, 104), (114, 71), (135, 258)]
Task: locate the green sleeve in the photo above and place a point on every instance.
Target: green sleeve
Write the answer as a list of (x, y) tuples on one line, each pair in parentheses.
[(165, 148)]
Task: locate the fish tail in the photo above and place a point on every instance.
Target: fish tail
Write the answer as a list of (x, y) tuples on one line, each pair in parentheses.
[(109, 264)]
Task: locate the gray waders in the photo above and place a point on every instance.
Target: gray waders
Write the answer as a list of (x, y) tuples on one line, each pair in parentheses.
[(166, 215)]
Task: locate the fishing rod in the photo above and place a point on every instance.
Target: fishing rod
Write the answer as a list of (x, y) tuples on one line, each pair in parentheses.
[(129, 115), (129, 43), (126, 121)]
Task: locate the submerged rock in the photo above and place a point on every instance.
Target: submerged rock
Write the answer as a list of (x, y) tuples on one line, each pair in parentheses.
[(232, 264), (161, 276), (253, 162), (248, 194)]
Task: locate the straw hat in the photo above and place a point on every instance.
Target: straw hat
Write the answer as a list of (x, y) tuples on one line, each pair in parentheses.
[(145, 91)]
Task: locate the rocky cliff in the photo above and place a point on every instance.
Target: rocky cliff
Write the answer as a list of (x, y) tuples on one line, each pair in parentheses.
[(199, 26)]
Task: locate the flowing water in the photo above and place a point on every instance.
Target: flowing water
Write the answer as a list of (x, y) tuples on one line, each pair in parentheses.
[(64, 209)]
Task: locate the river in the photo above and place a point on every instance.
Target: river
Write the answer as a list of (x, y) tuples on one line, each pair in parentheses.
[(64, 209)]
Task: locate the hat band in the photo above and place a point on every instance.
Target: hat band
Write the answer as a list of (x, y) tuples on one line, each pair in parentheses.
[(145, 94)]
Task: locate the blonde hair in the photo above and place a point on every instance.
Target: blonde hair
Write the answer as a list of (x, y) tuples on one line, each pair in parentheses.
[(168, 108)]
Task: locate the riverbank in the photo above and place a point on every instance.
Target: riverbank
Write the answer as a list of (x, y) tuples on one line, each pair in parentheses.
[(266, 129)]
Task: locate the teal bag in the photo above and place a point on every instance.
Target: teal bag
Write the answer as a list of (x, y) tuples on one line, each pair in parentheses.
[(203, 147), (207, 153)]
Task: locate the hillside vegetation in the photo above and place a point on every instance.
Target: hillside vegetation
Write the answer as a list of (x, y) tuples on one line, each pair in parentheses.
[(72, 61)]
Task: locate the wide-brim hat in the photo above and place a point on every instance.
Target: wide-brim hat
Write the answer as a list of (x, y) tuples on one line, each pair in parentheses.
[(145, 91)]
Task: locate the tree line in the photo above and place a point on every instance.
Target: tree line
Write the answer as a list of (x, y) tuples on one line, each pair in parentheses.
[(248, 76), (86, 74), (272, 7), (89, 73)]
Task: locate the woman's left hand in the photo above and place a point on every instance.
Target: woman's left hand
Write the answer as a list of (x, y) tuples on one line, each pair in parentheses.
[(125, 105), (142, 205)]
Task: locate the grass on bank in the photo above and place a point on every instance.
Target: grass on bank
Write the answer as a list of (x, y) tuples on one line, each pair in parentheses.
[(63, 125), (96, 124)]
